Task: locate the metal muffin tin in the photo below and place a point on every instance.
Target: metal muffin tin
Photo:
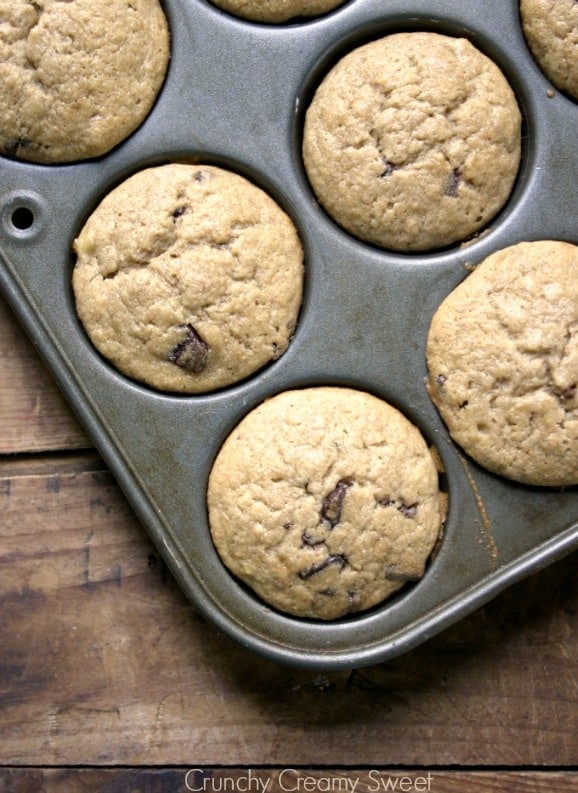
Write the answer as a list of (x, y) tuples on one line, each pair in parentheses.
[(235, 96)]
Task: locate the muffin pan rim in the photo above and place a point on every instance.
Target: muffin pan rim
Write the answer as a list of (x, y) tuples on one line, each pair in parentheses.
[(18, 246)]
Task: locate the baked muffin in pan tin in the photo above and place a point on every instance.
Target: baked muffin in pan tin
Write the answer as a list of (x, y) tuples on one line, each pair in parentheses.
[(235, 97)]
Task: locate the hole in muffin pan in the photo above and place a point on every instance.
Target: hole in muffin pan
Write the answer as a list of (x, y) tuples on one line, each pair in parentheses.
[(183, 431), (22, 218), (22, 215)]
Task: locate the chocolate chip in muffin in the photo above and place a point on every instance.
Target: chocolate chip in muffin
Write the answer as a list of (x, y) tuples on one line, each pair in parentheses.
[(191, 353), (14, 146), (332, 503), (179, 211), (453, 184), (322, 565)]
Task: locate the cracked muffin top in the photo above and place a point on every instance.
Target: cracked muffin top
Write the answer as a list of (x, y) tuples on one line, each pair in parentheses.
[(325, 501), (77, 78), (502, 355), (551, 30), (412, 142), (276, 11), (188, 278)]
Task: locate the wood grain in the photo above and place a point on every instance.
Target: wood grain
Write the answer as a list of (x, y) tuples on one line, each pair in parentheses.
[(33, 414), (103, 662)]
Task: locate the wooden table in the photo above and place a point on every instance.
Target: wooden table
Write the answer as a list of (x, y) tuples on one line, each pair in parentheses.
[(109, 679)]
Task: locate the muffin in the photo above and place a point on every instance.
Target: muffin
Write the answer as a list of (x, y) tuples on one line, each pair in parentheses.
[(325, 501), (502, 356), (188, 278), (413, 141), (77, 78), (551, 30), (275, 11)]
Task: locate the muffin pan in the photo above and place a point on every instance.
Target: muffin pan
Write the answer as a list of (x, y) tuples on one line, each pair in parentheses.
[(235, 96)]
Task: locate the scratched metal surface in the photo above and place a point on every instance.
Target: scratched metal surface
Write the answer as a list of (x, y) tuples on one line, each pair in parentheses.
[(235, 96)]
